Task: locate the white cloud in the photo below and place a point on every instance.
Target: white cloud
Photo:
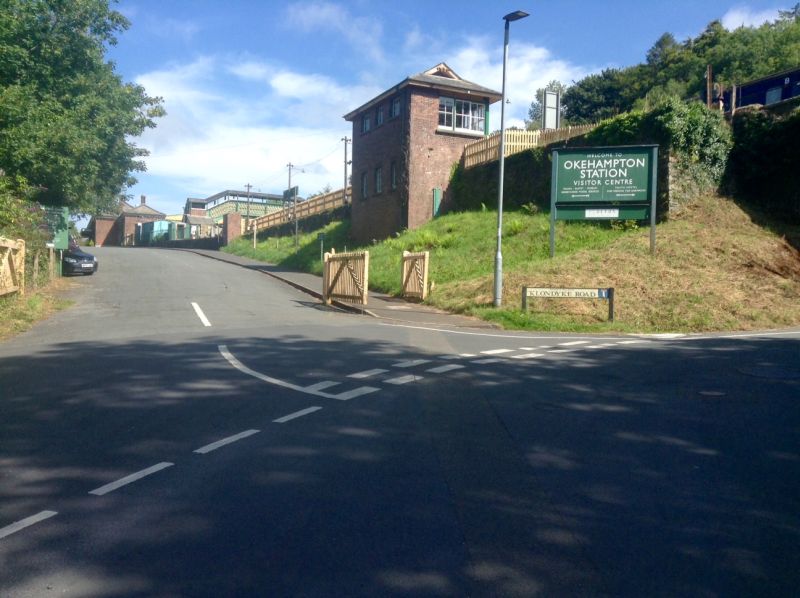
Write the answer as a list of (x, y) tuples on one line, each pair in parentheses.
[(250, 70), (363, 33), (747, 17), (530, 67), (238, 118), (220, 135)]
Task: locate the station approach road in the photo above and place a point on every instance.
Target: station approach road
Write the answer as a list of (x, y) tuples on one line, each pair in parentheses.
[(194, 428)]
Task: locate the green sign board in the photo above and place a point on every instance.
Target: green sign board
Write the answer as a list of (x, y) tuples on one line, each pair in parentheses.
[(57, 220), (606, 175), (604, 183)]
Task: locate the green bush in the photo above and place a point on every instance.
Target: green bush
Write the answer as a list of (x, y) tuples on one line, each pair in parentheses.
[(695, 135), (763, 168), (698, 138)]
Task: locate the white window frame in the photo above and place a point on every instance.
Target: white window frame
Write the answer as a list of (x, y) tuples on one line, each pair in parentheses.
[(379, 116), (446, 113), (462, 116), (366, 123)]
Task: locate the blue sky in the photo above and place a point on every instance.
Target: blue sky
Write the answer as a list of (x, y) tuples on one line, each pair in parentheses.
[(251, 86)]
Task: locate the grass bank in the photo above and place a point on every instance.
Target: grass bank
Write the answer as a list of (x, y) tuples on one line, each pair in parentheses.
[(714, 269), (18, 314)]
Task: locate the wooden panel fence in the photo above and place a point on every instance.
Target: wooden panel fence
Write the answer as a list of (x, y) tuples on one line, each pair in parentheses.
[(415, 274), (488, 149), (12, 266), (316, 205), (346, 277)]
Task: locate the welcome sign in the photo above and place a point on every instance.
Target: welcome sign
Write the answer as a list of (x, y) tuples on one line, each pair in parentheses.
[(604, 183), (621, 174)]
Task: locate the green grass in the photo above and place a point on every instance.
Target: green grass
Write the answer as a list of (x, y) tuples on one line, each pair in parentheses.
[(714, 269), (462, 246), (18, 314)]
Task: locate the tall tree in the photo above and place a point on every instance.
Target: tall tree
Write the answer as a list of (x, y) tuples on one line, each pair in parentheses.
[(678, 68), (66, 117)]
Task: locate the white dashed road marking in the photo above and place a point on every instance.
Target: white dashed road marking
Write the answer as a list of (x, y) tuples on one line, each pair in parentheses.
[(323, 385), (367, 373), (573, 343), (295, 415), (220, 443), (445, 368), (356, 392), (345, 396), (134, 477), (497, 351), (403, 379), (528, 355), (410, 363), (27, 522), (201, 315)]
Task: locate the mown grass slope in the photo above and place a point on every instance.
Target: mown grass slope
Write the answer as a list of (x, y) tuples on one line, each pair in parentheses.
[(714, 269)]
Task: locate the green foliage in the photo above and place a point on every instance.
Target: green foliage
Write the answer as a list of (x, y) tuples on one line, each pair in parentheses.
[(66, 118), (527, 181), (22, 219), (693, 133), (513, 227), (674, 69), (763, 166)]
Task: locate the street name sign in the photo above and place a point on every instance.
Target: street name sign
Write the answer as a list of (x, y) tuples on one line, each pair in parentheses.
[(569, 293)]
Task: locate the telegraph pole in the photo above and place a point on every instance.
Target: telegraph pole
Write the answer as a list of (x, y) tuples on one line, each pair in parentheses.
[(248, 186), (294, 209), (344, 188)]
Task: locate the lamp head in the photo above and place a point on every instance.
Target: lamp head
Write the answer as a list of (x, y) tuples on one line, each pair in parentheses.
[(515, 16)]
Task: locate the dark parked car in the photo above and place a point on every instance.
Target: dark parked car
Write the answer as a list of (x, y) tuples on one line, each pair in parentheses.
[(76, 261)]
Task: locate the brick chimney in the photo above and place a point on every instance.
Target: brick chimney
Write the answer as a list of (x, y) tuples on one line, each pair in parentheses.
[(144, 200)]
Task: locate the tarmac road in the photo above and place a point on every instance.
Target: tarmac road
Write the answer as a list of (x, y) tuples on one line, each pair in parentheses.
[(195, 428)]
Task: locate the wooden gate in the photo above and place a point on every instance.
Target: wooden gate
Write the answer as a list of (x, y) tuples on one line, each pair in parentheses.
[(415, 275), (12, 266), (346, 277)]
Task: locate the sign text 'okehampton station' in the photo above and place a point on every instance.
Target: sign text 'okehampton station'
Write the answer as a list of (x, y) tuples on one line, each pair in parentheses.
[(604, 183)]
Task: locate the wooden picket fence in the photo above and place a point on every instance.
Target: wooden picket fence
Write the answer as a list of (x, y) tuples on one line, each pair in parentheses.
[(12, 266), (415, 275), (346, 277), (488, 148), (316, 205)]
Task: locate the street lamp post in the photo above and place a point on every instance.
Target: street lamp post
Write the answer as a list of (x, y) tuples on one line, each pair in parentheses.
[(498, 260)]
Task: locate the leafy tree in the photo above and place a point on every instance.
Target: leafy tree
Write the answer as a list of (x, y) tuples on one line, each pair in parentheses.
[(677, 69), (534, 120), (594, 98), (66, 117)]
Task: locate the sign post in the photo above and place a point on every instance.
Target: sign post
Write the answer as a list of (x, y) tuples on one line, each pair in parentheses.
[(321, 239), (569, 293), (604, 183)]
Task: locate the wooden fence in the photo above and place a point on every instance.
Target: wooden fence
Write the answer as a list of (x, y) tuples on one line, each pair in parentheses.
[(346, 277), (415, 274), (12, 266), (316, 205), (488, 149)]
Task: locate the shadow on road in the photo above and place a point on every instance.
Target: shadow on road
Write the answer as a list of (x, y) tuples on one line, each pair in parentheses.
[(627, 472)]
